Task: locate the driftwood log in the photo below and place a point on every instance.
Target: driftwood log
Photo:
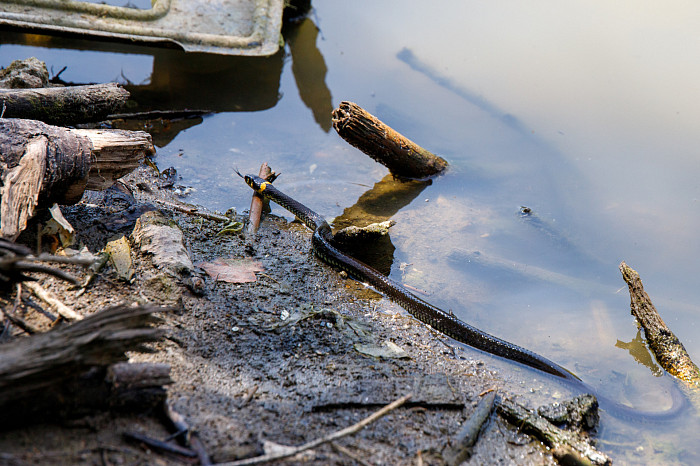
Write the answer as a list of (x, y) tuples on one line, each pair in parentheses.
[(667, 348), (78, 368), (403, 157), (42, 164), (64, 105)]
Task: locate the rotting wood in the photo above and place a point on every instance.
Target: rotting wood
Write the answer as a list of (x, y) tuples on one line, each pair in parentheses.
[(64, 105), (115, 153), (64, 372), (42, 164), (667, 348), (399, 154), (558, 439)]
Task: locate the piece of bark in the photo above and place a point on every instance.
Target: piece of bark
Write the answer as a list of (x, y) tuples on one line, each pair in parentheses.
[(42, 164), (64, 105), (399, 154), (553, 437), (667, 348), (64, 372)]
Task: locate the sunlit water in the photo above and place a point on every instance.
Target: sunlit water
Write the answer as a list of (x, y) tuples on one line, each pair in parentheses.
[(587, 114)]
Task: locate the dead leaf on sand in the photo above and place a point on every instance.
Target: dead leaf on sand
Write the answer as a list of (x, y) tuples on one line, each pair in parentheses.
[(232, 270)]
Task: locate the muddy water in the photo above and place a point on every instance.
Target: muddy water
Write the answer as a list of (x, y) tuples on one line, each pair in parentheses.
[(572, 133)]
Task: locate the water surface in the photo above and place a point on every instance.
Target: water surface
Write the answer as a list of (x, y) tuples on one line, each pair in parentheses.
[(586, 114)]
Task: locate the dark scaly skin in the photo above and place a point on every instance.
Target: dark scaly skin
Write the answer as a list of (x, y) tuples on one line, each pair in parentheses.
[(435, 317)]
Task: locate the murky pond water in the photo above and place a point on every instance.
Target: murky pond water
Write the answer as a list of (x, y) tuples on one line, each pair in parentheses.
[(586, 114)]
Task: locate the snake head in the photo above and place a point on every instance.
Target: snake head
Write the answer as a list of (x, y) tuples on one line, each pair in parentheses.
[(255, 182)]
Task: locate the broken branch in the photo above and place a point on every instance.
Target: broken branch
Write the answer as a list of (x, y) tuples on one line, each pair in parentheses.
[(399, 154), (667, 348)]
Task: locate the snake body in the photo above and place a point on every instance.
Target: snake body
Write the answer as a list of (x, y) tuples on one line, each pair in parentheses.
[(431, 315)]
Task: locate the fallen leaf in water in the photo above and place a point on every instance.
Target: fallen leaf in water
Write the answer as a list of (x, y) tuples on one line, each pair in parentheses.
[(232, 270)]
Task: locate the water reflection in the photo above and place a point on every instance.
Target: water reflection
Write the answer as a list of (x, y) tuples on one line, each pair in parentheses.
[(309, 69), (378, 204), (386, 198), (638, 349), (180, 87)]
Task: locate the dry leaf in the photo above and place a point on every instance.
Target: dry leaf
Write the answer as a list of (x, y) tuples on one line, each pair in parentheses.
[(232, 270)]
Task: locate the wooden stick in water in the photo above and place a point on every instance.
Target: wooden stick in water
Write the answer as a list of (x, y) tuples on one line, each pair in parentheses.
[(399, 154), (667, 348), (257, 203)]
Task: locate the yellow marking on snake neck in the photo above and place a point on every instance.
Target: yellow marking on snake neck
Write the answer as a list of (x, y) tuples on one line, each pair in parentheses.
[(263, 186)]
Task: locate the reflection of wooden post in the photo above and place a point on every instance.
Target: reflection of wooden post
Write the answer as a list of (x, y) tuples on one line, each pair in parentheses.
[(667, 348), (399, 154)]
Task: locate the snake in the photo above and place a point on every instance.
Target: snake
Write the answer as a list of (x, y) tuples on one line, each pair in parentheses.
[(444, 322)]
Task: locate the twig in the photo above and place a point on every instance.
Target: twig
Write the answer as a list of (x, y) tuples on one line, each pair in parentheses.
[(249, 396), (23, 266), (341, 449), (16, 320), (21, 323), (159, 445), (194, 211), (292, 451), (43, 257), (63, 310)]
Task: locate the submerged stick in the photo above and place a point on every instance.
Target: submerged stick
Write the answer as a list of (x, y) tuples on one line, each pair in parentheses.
[(667, 348), (399, 154)]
